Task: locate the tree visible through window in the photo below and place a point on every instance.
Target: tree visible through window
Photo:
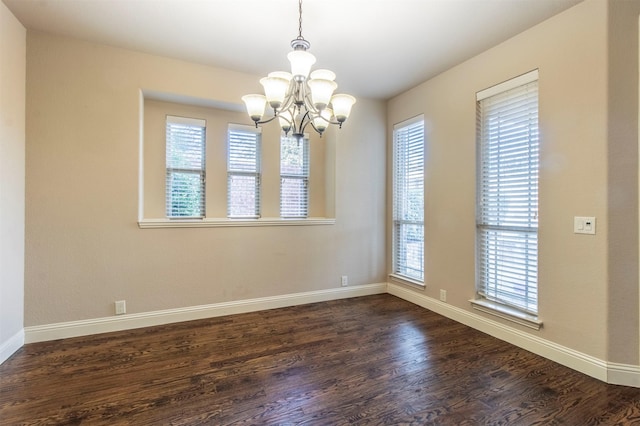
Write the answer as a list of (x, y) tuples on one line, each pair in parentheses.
[(408, 199), (294, 176), (185, 167)]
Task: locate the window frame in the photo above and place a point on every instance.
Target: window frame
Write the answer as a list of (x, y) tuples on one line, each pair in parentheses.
[(171, 170), (244, 171), (303, 207), (403, 132), (506, 223)]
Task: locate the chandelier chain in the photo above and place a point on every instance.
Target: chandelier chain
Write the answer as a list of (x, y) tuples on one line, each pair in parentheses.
[(300, 20)]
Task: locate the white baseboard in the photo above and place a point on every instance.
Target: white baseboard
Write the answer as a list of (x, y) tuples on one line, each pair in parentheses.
[(64, 330), (11, 345), (619, 374), (623, 374), (568, 357)]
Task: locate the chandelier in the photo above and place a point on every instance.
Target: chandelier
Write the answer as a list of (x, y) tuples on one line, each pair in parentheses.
[(300, 98)]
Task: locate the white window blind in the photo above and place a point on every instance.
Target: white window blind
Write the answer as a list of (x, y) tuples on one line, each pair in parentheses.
[(294, 177), (507, 195), (408, 199), (243, 172), (185, 167)]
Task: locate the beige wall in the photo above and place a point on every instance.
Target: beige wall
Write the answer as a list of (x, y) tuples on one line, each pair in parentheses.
[(12, 169), (579, 176), (622, 157), (83, 246)]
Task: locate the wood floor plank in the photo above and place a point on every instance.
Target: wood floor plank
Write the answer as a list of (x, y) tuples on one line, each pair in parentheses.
[(375, 360)]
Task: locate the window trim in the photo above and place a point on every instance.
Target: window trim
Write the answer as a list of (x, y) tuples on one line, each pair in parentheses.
[(481, 302), (306, 148), (395, 223), (506, 312), (232, 223), (202, 172), (257, 173)]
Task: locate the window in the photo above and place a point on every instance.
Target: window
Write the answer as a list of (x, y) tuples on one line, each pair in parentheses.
[(507, 195), (185, 174), (408, 199), (243, 172), (294, 176)]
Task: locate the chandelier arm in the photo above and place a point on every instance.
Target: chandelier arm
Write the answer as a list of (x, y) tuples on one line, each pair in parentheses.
[(289, 97), (267, 121), (289, 100), (308, 103), (304, 125), (314, 127)]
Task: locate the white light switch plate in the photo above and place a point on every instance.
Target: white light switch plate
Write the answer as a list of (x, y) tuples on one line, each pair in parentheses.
[(584, 225)]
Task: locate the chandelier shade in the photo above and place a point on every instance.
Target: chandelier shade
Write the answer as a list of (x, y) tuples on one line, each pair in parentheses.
[(302, 97), (321, 91), (342, 106), (255, 105), (301, 63), (275, 90)]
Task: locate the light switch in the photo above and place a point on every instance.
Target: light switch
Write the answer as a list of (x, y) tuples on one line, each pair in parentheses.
[(584, 225)]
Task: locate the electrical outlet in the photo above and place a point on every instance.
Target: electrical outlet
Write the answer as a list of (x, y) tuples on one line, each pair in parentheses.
[(443, 295), (344, 281), (121, 307)]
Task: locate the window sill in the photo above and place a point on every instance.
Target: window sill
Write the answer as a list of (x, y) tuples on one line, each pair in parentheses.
[(507, 313), (224, 222), (405, 280)]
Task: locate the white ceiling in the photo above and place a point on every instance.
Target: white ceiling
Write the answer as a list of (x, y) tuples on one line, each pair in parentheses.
[(377, 48)]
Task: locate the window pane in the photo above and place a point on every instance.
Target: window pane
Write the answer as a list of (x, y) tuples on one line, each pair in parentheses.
[(410, 253), (293, 197), (243, 151), (293, 156), (185, 194), (244, 196)]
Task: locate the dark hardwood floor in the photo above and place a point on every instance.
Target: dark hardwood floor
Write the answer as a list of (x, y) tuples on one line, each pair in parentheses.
[(374, 360)]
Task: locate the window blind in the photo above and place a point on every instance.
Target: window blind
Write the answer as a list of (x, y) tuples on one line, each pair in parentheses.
[(294, 177), (243, 172), (408, 199), (185, 167), (507, 196)]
